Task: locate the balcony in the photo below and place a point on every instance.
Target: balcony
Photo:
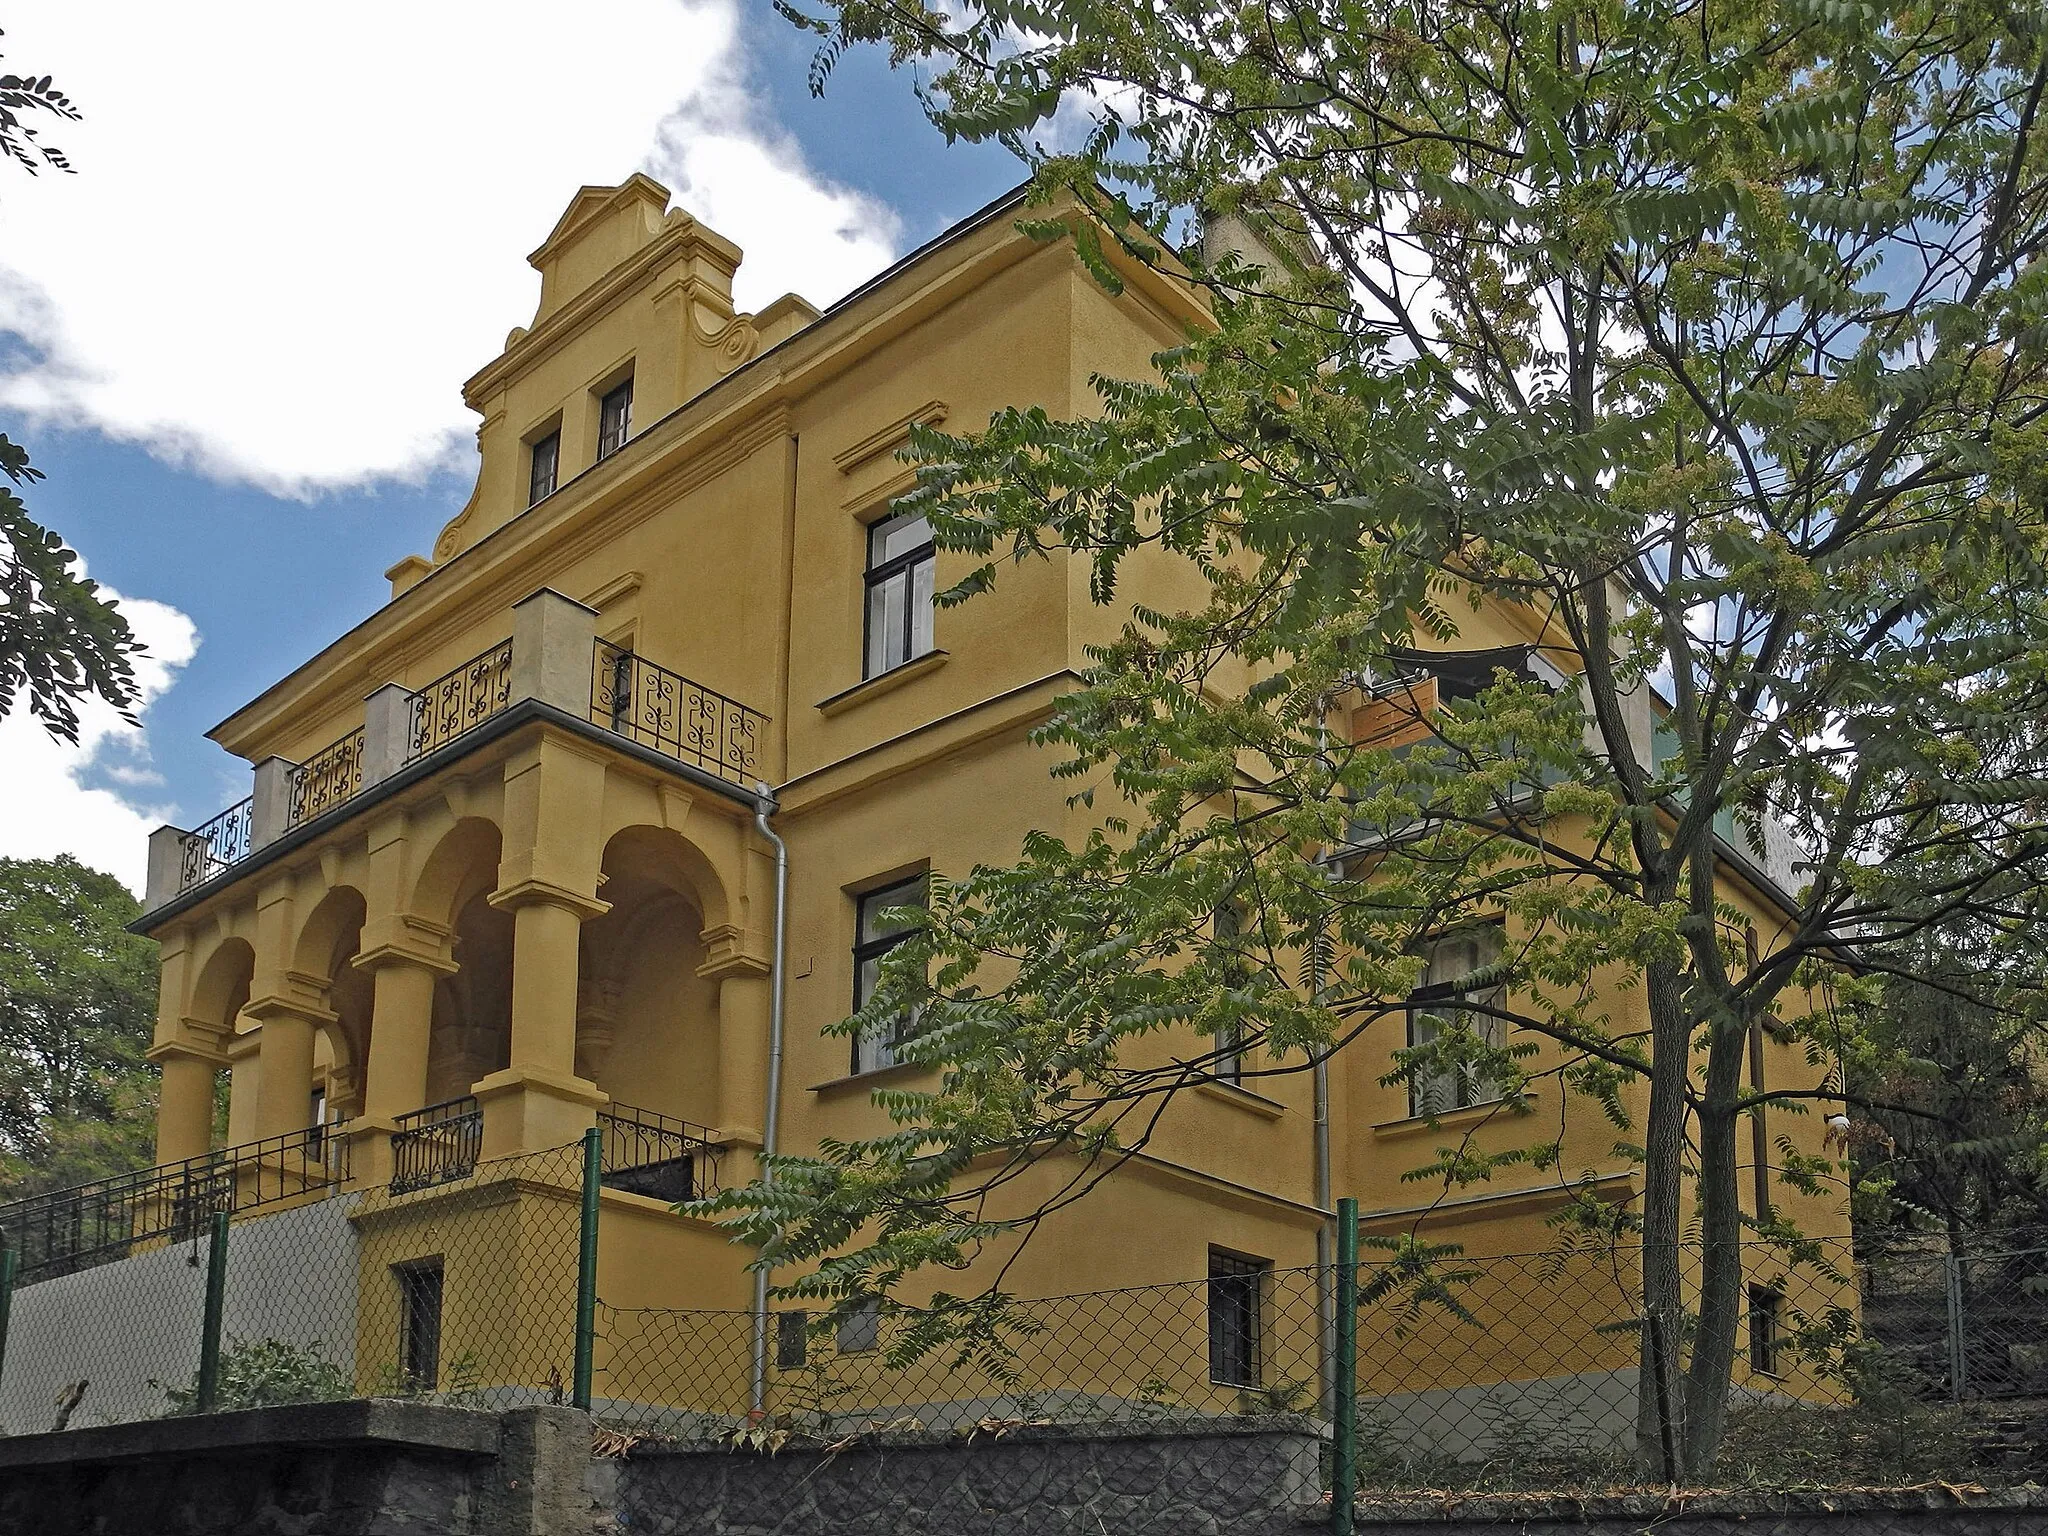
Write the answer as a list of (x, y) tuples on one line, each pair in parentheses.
[(552, 659), (67, 1230)]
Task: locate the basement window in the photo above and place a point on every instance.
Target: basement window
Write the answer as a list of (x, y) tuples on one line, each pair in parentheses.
[(1236, 1287), (1766, 1330), (419, 1323), (860, 1330), (792, 1340)]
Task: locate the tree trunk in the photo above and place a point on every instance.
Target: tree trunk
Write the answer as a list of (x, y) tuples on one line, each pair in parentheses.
[(1721, 1293), (1660, 1402)]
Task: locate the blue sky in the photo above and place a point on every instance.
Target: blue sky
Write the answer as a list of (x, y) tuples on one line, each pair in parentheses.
[(221, 404)]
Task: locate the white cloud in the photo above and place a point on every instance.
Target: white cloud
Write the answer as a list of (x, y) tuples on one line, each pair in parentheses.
[(295, 229), (50, 809)]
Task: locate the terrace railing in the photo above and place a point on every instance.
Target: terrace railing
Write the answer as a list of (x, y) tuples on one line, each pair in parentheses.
[(67, 1230), (436, 1145), (459, 701), (676, 717), (214, 845), (650, 1154), (326, 779)]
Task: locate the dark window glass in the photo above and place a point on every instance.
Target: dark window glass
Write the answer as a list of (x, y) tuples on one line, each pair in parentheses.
[(861, 1329), (1228, 924), (419, 1324), (899, 576), (792, 1340), (1764, 1337), (614, 420), (316, 1120), (544, 459), (1235, 1284), (874, 937), (1443, 1003)]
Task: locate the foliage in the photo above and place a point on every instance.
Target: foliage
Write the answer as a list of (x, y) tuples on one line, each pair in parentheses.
[(268, 1373), (77, 1010), (59, 639), (1708, 342)]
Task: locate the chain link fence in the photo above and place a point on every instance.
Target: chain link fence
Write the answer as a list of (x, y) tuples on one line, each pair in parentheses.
[(1476, 1376)]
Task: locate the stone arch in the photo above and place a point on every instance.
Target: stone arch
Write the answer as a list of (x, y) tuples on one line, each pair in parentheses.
[(463, 862), (647, 1023), (223, 985), (328, 940)]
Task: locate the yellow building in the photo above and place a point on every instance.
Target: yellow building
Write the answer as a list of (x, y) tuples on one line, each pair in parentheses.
[(501, 873)]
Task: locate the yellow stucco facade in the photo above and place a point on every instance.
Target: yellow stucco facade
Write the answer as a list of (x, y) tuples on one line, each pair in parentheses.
[(502, 845)]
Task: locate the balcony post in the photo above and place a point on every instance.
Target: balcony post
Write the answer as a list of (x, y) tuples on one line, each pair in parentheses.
[(554, 640), (387, 732), (270, 812), (166, 866)]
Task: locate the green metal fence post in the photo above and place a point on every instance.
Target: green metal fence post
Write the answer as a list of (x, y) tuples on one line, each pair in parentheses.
[(209, 1327), (586, 1268), (1344, 1432), (7, 1263)]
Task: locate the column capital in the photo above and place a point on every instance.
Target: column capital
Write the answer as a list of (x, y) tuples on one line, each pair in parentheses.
[(277, 1005), (728, 951), (536, 892), (403, 939), (185, 1050)]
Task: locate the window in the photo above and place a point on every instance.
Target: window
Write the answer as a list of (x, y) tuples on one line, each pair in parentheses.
[(1765, 1337), (614, 419), (316, 1121), (1235, 1287), (861, 1329), (1226, 925), (419, 1324), (874, 937), (543, 460), (1442, 1004), (792, 1340), (900, 566)]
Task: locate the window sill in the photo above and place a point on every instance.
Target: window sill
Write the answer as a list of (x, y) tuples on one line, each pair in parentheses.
[(882, 683), (1449, 1120), (1242, 1098), (874, 1077)]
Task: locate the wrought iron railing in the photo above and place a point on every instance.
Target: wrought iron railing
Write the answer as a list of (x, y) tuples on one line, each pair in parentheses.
[(327, 778), (436, 1145), (678, 718), (214, 845), (650, 1154), (67, 1230), (459, 701)]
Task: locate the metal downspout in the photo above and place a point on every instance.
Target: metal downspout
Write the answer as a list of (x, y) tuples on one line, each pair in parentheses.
[(771, 1099)]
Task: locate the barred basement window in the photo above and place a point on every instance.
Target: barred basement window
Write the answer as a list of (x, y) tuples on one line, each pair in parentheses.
[(1765, 1331), (544, 462), (614, 419), (419, 1323), (1236, 1287), (792, 1340)]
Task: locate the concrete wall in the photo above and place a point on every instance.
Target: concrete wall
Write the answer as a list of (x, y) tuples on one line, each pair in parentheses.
[(130, 1329)]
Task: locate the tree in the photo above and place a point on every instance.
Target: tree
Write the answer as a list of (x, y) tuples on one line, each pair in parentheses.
[(59, 639), (1716, 337), (77, 1010)]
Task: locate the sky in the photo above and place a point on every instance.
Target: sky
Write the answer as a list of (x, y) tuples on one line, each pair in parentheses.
[(234, 339)]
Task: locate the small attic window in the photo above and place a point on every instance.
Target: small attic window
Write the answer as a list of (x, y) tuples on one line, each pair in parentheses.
[(615, 418), (544, 462)]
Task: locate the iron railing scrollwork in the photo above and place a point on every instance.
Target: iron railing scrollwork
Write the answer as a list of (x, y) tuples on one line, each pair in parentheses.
[(216, 845), (650, 1154), (436, 1145), (459, 701), (678, 718), (327, 778), (67, 1230)]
